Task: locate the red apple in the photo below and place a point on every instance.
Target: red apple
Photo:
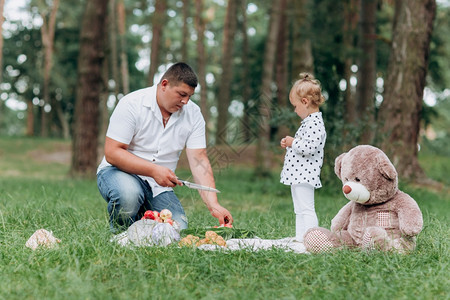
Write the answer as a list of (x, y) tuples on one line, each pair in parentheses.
[(149, 215)]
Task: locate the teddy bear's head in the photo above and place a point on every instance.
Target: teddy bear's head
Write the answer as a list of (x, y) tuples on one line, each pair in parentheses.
[(367, 175)]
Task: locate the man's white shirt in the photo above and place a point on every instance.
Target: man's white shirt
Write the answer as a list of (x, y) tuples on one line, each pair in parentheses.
[(137, 122)]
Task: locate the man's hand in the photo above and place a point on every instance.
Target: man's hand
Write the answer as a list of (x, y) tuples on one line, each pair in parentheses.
[(116, 154), (222, 214), (203, 174), (165, 177)]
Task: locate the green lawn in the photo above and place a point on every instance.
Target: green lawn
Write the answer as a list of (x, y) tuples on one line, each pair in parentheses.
[(34, 193)]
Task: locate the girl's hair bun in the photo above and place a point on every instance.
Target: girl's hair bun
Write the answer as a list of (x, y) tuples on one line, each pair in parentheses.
[(309, 87), (306, 76)]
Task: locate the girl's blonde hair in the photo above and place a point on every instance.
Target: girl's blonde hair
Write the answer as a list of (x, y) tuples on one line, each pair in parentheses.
[(308, 87)]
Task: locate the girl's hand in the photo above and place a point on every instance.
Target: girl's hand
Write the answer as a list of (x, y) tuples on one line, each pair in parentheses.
[(286, 141)]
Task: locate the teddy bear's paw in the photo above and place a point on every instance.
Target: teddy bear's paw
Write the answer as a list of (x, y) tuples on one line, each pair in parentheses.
[(367, 242), (316, 241), (404, 245)]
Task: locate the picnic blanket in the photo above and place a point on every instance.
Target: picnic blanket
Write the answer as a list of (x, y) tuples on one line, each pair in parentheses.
[(288, 244), (149, 233)]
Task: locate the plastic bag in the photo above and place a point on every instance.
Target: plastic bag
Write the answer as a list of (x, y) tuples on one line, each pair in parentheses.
[(148, 232), (164, 234), (140, 232)]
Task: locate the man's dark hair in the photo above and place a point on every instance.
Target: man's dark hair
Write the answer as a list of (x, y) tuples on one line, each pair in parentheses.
[(180, 72)]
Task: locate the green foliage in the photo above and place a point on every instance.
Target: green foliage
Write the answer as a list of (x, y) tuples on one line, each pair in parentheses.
[(25, 76), (11, 122), (285, 116), (439, 65), (329, 52), (438, 143), (86, 265), (225, 232), (435, 162), (22, 62), (385, 16), (325, 31)]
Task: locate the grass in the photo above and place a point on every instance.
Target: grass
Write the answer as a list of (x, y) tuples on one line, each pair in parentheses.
[(36, 194)]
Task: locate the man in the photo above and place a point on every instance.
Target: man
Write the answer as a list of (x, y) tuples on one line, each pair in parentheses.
[(147, 132)]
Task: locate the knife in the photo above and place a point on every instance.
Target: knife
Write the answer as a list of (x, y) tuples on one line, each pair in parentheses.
[(198, 186)]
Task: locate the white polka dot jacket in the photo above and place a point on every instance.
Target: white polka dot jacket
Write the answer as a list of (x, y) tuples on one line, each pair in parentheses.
[(303, 160)]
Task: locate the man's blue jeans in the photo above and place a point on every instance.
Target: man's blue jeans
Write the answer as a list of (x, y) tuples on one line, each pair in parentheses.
[(129, 196)]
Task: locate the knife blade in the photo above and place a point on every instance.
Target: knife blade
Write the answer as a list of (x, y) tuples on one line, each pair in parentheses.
[(198, 186)]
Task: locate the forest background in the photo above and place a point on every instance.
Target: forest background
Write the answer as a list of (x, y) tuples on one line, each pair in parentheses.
[(384, 67), (385, 71)]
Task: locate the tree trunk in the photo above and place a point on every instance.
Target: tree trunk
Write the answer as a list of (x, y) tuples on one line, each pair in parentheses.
[(227, 72), (302, 58), (350, 28), (65, 127), (123, 54), (48, 39), (103, 112), (112, 53), (185, 34), (399, 115), (201, 60), (158, 20), (2, 19), (30, 119), (367, 70), (281, 56), (44, 121), (245, 74), (281, 74), (263, 152), (89, 87)]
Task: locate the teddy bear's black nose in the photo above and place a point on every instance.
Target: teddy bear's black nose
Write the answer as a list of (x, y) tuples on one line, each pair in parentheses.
[(346, 189)]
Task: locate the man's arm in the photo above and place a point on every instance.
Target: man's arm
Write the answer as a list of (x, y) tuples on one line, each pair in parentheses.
[(202, 172), (117, 155)]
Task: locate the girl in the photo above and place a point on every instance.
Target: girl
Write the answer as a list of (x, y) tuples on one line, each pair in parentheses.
[(304, 152)]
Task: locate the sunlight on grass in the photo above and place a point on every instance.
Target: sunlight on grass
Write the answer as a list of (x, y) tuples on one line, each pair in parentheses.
[(21, 157)]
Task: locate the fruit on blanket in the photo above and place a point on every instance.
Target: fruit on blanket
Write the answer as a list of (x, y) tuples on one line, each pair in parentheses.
[(211, 238), (148, 215), (226, 232), (188, 241), (210, 235), (217, 239), (224, 225), (151, 214), (165, 214), (201, 242)]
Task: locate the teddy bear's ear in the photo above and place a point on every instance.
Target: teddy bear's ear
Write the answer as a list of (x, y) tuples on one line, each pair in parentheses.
[(385, 167), (337, 165)]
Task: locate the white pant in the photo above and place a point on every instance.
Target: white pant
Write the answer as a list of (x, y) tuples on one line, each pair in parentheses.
[(305, 214)]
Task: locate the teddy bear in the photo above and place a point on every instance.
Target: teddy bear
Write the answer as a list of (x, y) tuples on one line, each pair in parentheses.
[(377, 216)]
